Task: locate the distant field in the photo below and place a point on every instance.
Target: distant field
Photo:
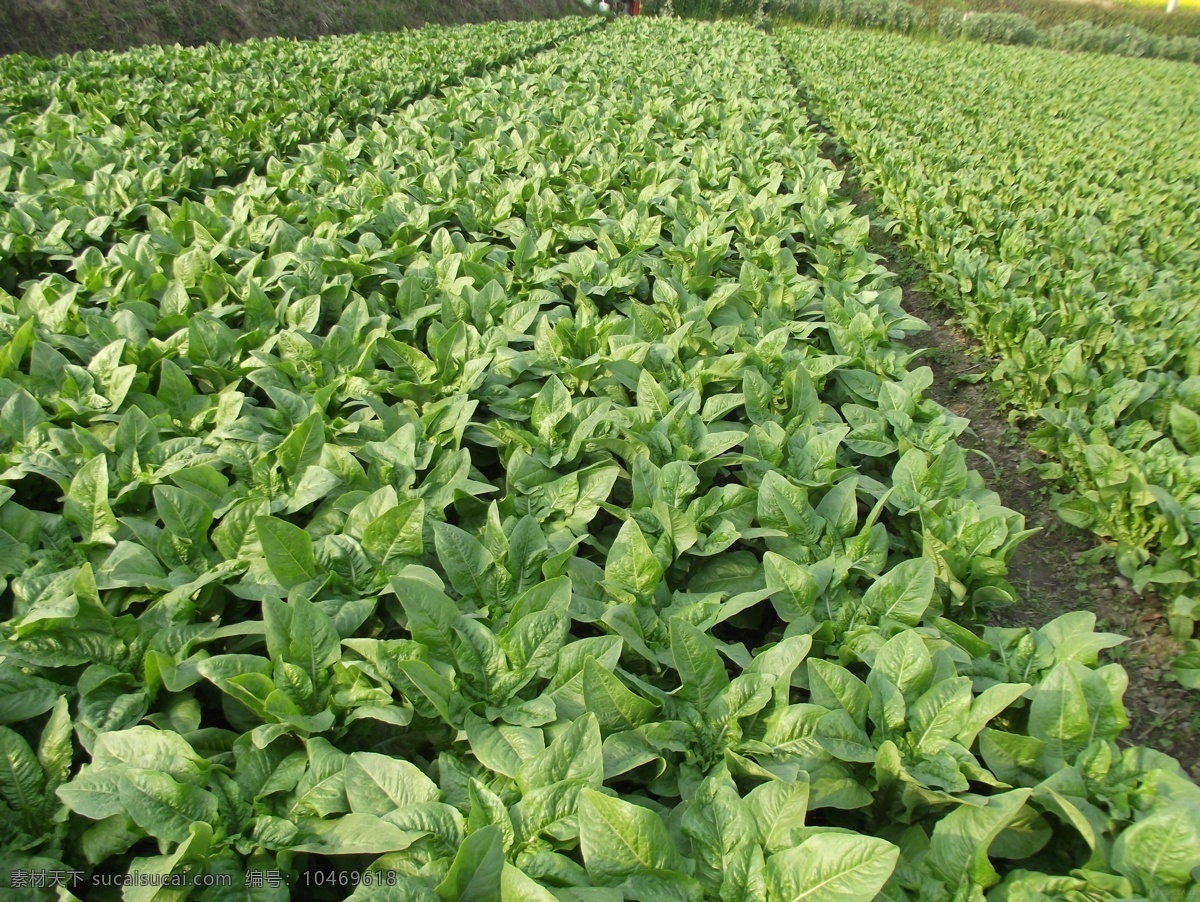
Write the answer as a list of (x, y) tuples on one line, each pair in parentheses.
[(1183, 4), (1047, 13)]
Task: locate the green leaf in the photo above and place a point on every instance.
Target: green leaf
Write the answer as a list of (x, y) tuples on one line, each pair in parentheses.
[(432, 686), (431, 615), (354, 834), (22, 782), (778, 810), (93, 793), (958, 849), (298, 632), (487, 808), (836, 687), (905, 661), (618, 839), (575, 754), (87, 503), (503, 748), (466, 562), (21, 415), (288, 550), (716, 821), (1072, 707), (780, 661), (903, 593), (987, 705), (631, 566), (744, 880), (699, 666), (794, 590), (24, 696), (516, 886), (831, 867), (55, 750), (615, 706), (475, 873), (1185, 427), (395, 537), (302, 447), (163, 807), (145, 747), (183, 514), (379, 784), (1162, 849), (940, 713)]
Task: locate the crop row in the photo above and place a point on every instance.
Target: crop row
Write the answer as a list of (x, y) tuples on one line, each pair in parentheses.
[(92, 143), (530, 499), (1055, 203)]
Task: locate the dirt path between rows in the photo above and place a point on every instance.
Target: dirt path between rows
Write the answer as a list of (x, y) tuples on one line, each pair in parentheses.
[(1052, 572)]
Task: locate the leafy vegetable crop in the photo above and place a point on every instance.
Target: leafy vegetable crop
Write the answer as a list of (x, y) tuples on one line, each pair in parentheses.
[(529, 499), (89, 143), (1075, 261)]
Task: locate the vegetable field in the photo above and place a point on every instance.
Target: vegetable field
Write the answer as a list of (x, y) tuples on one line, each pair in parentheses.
[(1056, 201), (94, 147), (521, 493)]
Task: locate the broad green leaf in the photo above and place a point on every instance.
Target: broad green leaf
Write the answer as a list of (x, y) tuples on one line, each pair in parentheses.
[(466, 562), (395, 536), (631, 565), (958, 849), (941, 712), (779, 810), (183, 513), (615, 706), (1162, 849), (716, 821), (353, 834), (87, 503), (1185, 426), (302, 447), (618, 839), (905, 661), (288, 550), (515, 886), (903, 593), (24, 696), (476, 871), (163, 807), (831, 867), (503, 748), (836, 687), (697, 662), (22, 782), (379, 784), (575, 754)]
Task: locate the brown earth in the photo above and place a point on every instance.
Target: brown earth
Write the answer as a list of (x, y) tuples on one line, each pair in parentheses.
[(1062, 568)]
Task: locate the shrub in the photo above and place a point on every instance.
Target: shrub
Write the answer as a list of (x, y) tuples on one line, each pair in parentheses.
[(1180, 48), (1001, 28), (1124, 40), (891, 15), (795, 10), (949, 23)]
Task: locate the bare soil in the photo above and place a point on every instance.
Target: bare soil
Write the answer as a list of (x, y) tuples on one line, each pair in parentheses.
[(1062, 568)]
